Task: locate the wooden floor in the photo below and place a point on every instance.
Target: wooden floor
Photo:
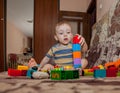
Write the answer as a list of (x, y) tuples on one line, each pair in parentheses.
[(84, 84)]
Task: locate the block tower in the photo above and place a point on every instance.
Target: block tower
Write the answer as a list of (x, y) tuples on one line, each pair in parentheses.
[(76, 47)]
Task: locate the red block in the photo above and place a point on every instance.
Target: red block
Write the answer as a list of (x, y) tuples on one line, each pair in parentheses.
[(76, 40), (23, 72), (111, 72), (96, 67), (15, 72)]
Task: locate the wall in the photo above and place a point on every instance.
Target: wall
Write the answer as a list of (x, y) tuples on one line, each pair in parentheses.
[(16, 40), (74, 5), (102, 7)]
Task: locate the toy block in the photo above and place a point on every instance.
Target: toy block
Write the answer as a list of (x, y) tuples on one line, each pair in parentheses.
[(88, 72), (76, 47), (95, 67), (77, 66), (77, 61), (56, 75), (109, 64), (68, 67), (111, 72), (69, 74), (118, 73), (30, 71), (101, 66), (117, 63), (75, 74), (99, 73), (22, 67), (76, 54), (64, 75), (15, 72), (23, 72), (76, 39)]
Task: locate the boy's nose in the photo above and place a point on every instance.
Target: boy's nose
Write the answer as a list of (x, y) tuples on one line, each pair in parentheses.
[(65, 34)]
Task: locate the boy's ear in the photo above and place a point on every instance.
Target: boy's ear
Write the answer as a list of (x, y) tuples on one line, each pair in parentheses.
[(55, 37)]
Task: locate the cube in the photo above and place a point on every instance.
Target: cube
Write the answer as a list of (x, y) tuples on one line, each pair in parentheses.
[(99, 73), (77, 54), (76, 47)]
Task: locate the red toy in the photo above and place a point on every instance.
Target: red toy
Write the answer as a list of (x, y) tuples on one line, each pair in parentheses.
[(111, 72), (76, 39), (15, 72)]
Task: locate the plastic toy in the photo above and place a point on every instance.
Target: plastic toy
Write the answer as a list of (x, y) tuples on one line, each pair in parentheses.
[(111, 72), (15, 72), (64, 74), (99, 73), (76, 47), (21, 67)]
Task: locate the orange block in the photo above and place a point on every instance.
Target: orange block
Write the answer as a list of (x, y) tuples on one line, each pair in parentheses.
[(77, 54), (109, 64), (117, 63)]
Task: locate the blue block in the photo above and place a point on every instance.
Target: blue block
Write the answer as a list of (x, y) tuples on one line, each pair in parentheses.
[(31, 70), (77, 66), (76, 47), (29, 73), (99, 73)]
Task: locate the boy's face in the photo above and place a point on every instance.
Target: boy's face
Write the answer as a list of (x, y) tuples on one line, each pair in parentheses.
[(64, 34)]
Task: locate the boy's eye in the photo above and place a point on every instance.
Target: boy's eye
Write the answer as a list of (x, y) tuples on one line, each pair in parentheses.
[(60, 33), (68, 32)]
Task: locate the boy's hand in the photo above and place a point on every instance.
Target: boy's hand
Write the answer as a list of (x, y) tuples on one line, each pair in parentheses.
[(80, 71), (82, 40), (78, 39)]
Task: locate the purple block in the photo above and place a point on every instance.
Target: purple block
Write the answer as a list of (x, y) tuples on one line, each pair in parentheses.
[(77, 61)]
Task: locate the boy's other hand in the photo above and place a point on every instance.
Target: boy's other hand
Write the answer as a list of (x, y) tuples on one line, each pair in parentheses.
[(81, 39)]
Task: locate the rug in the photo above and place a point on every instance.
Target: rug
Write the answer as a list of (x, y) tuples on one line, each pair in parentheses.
[(85, 84)]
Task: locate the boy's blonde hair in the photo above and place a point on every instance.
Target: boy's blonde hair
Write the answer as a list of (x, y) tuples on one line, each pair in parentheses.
[(61, 23)]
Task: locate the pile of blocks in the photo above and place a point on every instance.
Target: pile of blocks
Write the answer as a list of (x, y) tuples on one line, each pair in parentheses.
[(76, 47), (20, 71), (111, 69)]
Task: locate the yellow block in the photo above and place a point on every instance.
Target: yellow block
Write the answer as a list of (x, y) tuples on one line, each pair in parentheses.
[(77, 54), (22, 67), (68, 67), (101, 66)]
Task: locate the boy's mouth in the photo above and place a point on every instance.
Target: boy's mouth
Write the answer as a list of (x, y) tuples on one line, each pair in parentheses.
[(65, 39)]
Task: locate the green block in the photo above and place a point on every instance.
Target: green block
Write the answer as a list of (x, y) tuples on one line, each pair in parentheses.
[(76, 74), (69, 74), (118, 73), (64, 74), (55, 75)]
